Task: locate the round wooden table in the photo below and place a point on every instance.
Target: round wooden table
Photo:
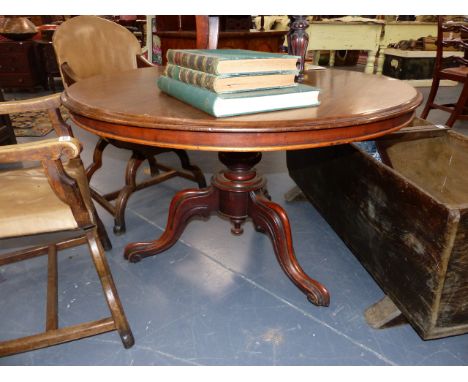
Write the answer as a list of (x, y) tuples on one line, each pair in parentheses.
[(128, 106)]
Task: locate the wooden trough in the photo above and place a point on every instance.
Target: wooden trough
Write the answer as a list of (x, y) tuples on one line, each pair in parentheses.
[(404, 216)]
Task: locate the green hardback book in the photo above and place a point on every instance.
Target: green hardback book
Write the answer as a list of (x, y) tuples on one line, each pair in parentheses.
[(228, 83), (228, 61), (231, 104)]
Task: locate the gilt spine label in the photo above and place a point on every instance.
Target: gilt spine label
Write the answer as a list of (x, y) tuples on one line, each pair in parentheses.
[(201, 79), (193, 61)]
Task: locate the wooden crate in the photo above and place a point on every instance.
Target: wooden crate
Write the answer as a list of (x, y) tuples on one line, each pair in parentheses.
[(405, 218)]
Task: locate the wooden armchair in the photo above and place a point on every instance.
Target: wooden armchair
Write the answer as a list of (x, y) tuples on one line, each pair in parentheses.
[(444, 69), (87, 46), (61, 204)]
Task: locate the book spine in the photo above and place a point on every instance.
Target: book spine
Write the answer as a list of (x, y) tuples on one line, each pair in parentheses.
[(189, 76), (198, 97), (193, 61)]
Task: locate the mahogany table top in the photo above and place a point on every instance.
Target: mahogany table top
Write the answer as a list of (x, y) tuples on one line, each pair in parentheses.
[(129, 106)]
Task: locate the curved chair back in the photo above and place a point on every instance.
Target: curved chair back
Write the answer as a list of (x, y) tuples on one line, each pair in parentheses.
[(91, 45), (446, 30), (450, 33)]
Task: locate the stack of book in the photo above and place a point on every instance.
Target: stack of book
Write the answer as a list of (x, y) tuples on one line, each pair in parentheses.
[(228, 82)]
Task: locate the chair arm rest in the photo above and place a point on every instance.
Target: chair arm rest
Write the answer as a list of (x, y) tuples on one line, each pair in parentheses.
[(51, 103), (142, 62), (34, 104), (47, 149)]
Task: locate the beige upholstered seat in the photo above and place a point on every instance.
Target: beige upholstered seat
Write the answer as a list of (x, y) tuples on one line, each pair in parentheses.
[(28, 205)]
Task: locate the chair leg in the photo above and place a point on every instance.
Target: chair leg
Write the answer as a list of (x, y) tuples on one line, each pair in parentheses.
[(54, 335), (52, 289), (102, 232), (461, 103), (430, 98), (103, 236), (130, 186), (110, 291), (186, 165)]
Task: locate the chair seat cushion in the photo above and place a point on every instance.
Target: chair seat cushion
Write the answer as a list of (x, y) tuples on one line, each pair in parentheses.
[(28, 205), (460, 71)]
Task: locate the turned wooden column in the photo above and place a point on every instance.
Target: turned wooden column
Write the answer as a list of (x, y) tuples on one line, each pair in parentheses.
[(235, 183), (298, 40)]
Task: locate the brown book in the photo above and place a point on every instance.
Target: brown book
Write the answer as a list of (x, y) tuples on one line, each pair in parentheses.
[(231, 83), (231, 61)]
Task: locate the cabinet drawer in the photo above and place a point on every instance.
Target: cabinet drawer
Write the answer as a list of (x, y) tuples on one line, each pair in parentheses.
[(14, 63), (17, 80), (15, 47)]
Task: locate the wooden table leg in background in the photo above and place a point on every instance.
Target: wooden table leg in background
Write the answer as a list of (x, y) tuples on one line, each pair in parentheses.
[(380, 57), (237, 193), (369, 69)]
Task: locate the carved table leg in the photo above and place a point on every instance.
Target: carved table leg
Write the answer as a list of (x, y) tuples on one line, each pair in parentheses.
[(237, 193), (185, 205), (271, 218)]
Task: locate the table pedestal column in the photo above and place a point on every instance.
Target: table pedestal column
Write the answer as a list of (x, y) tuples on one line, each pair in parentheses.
[(237, 193)]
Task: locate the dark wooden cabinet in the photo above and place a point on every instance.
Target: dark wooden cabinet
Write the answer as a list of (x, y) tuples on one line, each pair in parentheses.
[(48, 64), (179, 32), (19, 65)]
